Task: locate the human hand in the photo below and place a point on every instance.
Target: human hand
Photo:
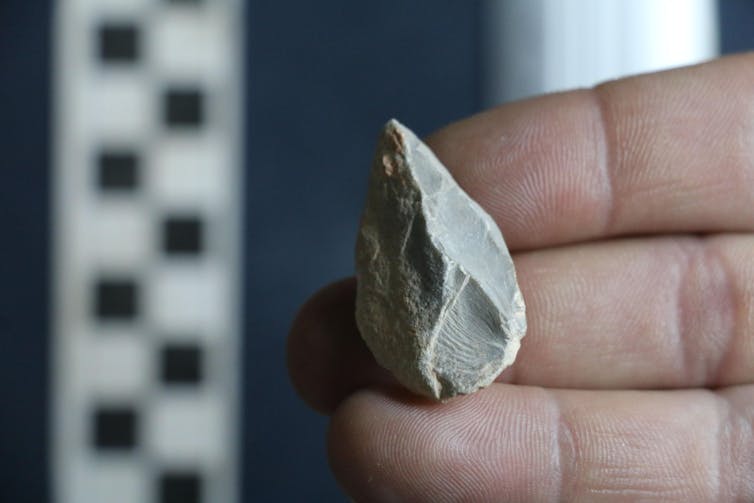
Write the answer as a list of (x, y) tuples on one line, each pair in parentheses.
[(630, 212)]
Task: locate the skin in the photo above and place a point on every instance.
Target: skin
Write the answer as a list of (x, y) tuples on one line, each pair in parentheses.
[(630, 210)]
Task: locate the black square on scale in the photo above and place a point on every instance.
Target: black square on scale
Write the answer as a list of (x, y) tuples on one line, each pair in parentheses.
[(117, 170), (183, 108), (116, 299), (118, 42), (181, 364), (180, 487), (114, 428), (182, 235)]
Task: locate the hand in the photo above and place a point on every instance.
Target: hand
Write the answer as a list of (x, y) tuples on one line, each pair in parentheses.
[(629, 209)]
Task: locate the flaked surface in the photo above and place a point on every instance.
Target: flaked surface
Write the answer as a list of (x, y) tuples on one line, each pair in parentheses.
[(437, 299)]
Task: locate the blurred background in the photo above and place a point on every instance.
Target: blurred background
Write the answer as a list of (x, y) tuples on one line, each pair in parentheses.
[(319, 81)]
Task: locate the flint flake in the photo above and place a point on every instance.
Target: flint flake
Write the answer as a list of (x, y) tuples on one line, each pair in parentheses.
[(437, 299)]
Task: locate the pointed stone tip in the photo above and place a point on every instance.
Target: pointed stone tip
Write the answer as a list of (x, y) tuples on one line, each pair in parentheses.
[(394, 124), (394, 135)]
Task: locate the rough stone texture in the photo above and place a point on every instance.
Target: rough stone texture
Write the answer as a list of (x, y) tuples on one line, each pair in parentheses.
[(437, 301)]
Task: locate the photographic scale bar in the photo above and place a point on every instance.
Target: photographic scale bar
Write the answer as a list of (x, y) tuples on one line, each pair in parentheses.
[(147, 231)]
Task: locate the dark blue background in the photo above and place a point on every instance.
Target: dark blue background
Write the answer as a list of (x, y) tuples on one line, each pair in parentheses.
[(322, 78)]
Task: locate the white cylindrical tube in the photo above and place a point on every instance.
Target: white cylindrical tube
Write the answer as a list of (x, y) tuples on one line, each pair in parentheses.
[(540, 46)]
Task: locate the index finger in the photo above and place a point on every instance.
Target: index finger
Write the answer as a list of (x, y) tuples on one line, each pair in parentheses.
[(666, 152)]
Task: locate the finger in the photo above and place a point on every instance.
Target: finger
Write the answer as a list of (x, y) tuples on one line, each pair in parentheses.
[(327, 360), (671, 151), (515, 443), (642, 313)]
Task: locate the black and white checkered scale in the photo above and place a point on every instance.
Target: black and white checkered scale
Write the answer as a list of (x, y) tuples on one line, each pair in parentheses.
[(147, 230)]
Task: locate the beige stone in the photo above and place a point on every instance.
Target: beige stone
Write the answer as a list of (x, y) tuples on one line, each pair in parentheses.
[(437, 303)]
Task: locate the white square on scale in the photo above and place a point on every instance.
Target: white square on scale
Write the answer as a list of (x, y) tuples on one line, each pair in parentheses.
[(186, 428), (190, 297), (119, 105), (187, 43), (188, 171), (112, 480), (119, 234), (118, 367)]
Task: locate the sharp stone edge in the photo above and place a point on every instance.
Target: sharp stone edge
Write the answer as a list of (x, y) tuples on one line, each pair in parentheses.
[(437, 301)]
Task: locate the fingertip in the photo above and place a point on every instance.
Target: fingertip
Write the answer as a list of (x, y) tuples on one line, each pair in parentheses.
[(362, 446), (326, 357), (385, 444), (310, 346)]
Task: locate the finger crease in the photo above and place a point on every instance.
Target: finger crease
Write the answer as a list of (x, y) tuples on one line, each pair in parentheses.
[(723, 449), (607, 158), (737, 465), (732, 304), (706, 364), (567, 451), (682, 339)]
